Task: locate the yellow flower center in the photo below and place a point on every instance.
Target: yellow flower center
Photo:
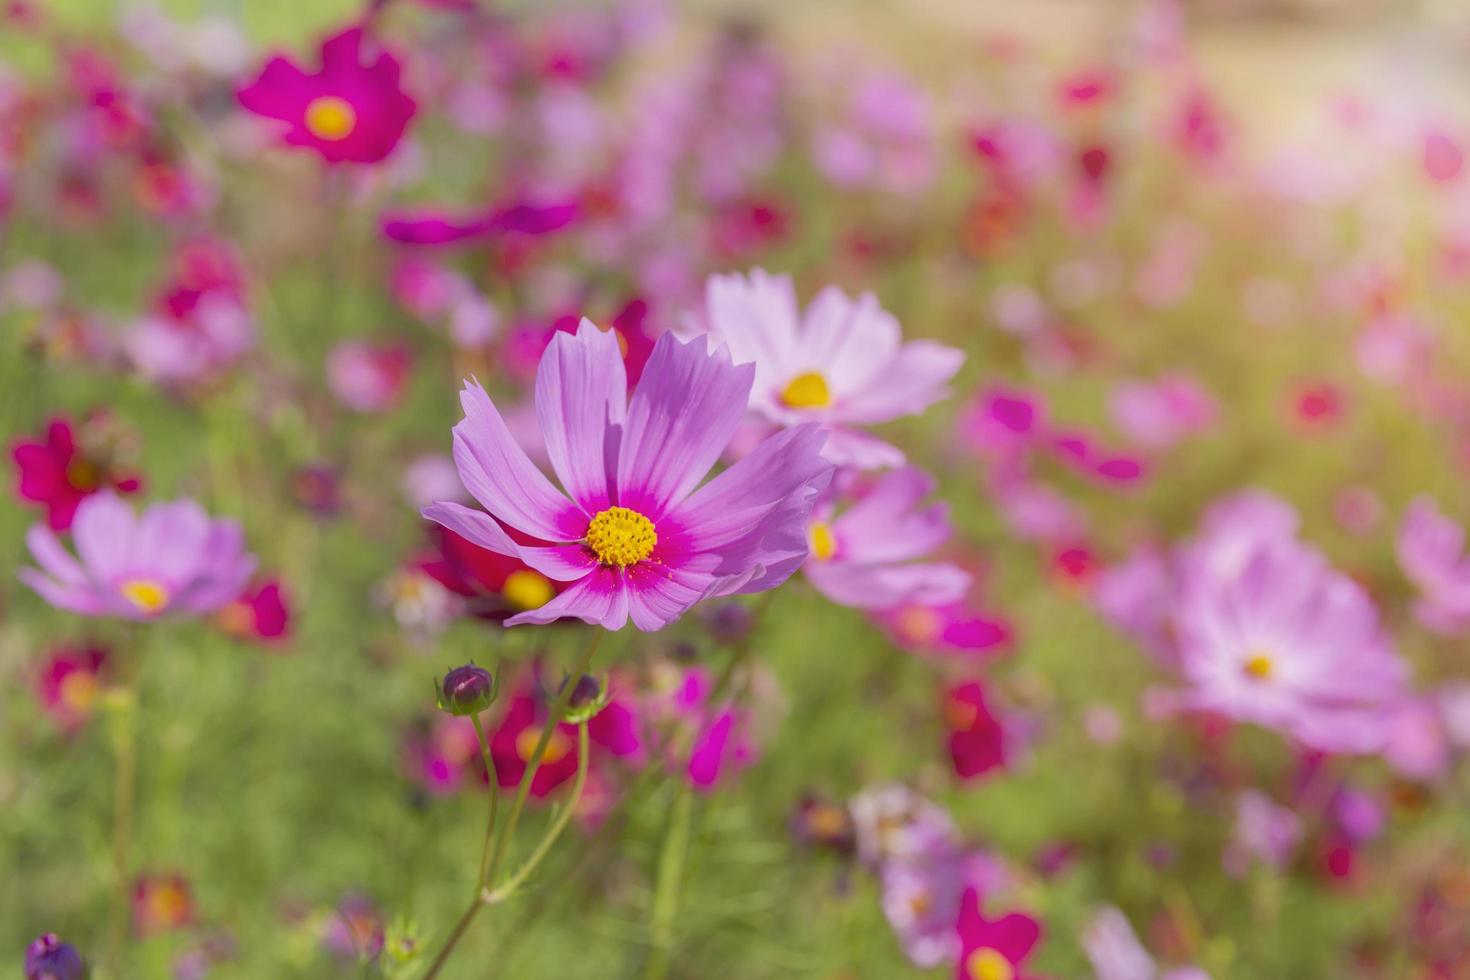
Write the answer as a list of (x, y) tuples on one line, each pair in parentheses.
[(149, 595), (824, 542), (83, 474), (807, 390), (621, 537), (329, 117), (78, 690), (1259, 666), (988, 964), (525, 589), (556, 748)]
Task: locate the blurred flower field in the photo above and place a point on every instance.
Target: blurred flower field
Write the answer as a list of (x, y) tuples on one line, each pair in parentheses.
[(636, 490)]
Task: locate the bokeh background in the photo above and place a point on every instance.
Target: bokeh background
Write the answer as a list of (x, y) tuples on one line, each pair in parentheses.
[(280, 782)]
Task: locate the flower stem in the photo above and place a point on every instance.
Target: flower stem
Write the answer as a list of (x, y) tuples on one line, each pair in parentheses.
[(494, 800), (503, 835), (122, 704), (584, 752), (666, 891)]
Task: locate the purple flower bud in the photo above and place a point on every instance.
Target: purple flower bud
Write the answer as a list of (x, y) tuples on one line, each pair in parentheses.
[(466, 690), (589, 696), (51, 959)]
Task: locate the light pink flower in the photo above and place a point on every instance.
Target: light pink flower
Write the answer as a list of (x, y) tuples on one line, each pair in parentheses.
[(867, 555), (842, 363), (1431, 551), (172, 559)]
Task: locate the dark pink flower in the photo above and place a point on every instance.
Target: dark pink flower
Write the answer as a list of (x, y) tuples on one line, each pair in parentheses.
[(993, 949), (351, 110), (69, 683), (53, 471), (259, 613)]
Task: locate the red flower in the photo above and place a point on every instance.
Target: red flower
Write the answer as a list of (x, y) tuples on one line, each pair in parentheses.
[(513, 743), (162, 903), (56, 473), (976, 735), (495, 586), (260, 613), (993, 950)]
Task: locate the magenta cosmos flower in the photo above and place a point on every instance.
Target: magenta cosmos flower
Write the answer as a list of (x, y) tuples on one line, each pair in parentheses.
[(843, 363), (634, 533), (171, 559), (352, 110)]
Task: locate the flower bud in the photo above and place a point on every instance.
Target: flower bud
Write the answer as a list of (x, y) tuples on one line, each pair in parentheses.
[(48, 958), (729, 623), (589, 696), (466, 690)]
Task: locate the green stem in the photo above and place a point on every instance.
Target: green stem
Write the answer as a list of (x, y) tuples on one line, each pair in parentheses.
[(502, 837), (553, 718), (494, 800), (122, 703), (666, 891), (584, 753)]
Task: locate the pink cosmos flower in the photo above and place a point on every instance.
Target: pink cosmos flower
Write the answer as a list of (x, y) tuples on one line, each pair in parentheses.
[(69, 683), (842, 363), (865, 556), (260, 613), (1160, 413), (952, 629), (1269, 633), (635, 534), (993, 949), (977, 735), (922, 895), (1116, 954), (1431, 551), (351, 110), (1265, 832), (171, 559)]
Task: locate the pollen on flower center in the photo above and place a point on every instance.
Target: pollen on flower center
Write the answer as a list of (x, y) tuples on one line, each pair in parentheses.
[(823, 541), (807, 390), (989, 964), (147, 594), (1259, 666), (330, 117), (621, 537), (525, 589), (556, 748)]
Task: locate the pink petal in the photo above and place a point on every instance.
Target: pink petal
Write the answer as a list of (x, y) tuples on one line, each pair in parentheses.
[(581, 399), (499, 474), (54, 559), (600, 598), (687, 407), (914, 380), (561, 563)]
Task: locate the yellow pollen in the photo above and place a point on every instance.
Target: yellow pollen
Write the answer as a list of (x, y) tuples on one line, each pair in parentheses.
[(988, 964), (807, 390), (147, 594), (556, 748), (621, 537), (824, 542), (1259, 666), (525, 589), (330, 117), (78, 690)]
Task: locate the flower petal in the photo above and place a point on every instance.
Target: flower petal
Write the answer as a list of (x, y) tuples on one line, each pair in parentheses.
[(581, 399), (54, 559), (687, 407), (658, 593), (104, 531), (562, 563), (498, 473), (910, 383), (885, 586)]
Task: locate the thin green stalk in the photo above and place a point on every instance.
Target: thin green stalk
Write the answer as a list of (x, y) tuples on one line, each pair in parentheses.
[(584, 752), (503, 835), (666, 891), (123, 705), (553, 718), (494, 800)]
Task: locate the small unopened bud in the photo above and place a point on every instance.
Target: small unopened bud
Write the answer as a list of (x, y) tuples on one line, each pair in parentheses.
[(466, 690), (589, 696), (729, 623), (48, 958)]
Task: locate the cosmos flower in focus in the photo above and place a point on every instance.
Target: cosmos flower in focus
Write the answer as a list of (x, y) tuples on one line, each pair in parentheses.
[(56, 472), (171, 559), (351, 110), (842, 363), (635, 534), (865, 556)]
